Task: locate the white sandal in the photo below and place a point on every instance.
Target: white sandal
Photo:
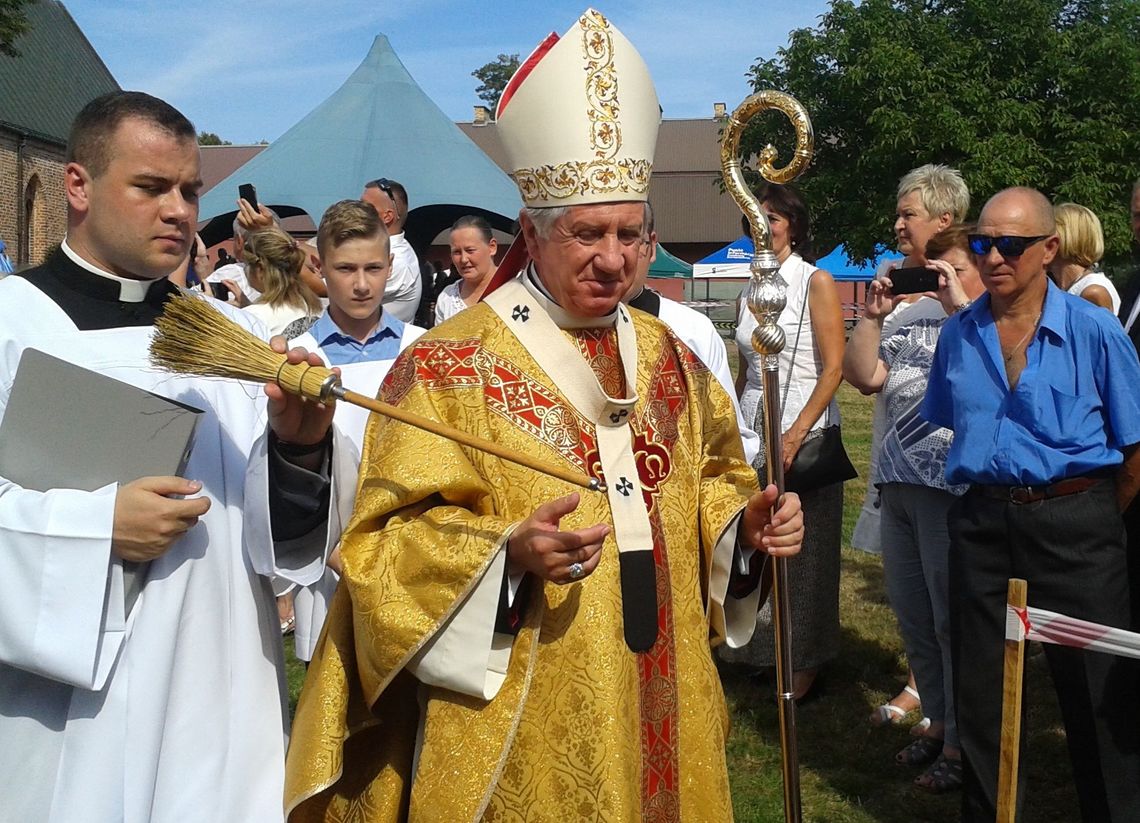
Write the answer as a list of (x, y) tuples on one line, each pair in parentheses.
[(889, 713)]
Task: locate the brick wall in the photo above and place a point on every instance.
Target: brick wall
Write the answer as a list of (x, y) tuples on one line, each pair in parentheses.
[(43, 164)]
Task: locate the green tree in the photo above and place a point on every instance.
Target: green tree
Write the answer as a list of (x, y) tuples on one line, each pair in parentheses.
[(13, 23), (493, 78), (1043, 93), (208, 138)]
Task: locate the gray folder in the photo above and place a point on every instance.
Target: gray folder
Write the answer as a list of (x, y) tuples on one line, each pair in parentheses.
[(67, 427)]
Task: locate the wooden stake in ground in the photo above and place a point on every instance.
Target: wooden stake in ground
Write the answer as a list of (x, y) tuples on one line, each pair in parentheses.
[(192, 337), (1011, 712)]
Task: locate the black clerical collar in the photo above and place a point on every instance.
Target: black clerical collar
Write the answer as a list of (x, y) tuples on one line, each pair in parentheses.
[(126, 289), (648, 301), (93, 299)]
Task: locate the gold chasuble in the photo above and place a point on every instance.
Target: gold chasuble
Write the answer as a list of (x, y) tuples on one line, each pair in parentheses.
[(561, 721)]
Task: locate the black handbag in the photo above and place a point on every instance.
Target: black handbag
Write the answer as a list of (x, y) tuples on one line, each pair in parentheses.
[(821, 460)]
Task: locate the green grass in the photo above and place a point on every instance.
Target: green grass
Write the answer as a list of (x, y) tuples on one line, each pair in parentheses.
[(847, 767)]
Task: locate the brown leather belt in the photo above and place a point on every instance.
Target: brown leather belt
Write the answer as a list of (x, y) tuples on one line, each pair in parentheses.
[(1032, 494)]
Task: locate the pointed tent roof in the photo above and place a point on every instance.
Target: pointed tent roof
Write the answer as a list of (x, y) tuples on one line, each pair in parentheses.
[(378, 124)]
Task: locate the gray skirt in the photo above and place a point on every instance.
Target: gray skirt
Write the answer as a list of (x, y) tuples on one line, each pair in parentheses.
[(813, 581)]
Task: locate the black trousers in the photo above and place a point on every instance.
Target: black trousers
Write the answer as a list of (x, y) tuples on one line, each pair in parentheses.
[(1071, 550)]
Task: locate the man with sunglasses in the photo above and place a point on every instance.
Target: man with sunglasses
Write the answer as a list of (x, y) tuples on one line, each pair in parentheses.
[(402, 294), (1039, 389)]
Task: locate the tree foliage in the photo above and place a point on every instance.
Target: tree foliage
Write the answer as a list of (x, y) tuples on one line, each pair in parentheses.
[(13, 23), (493, 78), (1042, 93), (208, 138)]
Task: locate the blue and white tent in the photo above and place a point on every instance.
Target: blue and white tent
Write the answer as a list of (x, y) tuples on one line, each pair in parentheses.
[(731, 261), (843, 270)]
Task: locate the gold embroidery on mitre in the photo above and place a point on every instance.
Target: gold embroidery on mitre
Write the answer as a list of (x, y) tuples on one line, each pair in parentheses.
[(601, 85), (578, 177)]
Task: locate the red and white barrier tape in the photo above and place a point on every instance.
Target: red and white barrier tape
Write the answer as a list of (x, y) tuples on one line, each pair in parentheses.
[(1051, 627)]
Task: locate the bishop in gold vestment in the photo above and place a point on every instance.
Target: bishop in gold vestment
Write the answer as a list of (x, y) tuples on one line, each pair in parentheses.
[(502, 648), (581, 728)]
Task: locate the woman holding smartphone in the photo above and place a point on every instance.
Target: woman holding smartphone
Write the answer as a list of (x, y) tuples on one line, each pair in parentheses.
[(930, 198), (915, 498), (810, 373)]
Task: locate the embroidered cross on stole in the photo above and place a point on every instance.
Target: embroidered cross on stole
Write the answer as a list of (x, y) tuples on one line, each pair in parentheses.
[(538, 323)]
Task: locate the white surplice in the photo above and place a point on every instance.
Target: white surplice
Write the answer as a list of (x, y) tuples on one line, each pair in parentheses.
[(311, 603), (176, 710)]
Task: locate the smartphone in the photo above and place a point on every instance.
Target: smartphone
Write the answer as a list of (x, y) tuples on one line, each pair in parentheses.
[(918, 280), (248, 193), (221, 291)]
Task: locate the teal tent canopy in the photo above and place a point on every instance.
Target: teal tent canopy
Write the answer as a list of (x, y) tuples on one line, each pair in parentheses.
[(378, 124), (666, 265)]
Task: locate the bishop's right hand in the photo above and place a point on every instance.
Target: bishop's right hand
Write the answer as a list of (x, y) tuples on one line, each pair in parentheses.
[(148, 519), (538, 547)]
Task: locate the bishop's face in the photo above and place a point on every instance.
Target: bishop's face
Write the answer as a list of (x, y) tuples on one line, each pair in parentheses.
[(589, 260), (136, 219)]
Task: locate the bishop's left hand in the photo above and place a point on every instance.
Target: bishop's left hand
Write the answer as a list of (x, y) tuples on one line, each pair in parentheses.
[(780, 532), (294, 419)]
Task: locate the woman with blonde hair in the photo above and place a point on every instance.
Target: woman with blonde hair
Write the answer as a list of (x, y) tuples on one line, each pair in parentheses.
[(930, 198), (1082, 247), (273, 265)]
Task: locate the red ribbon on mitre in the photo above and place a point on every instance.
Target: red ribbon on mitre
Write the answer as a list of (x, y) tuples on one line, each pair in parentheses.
[(523, 70)]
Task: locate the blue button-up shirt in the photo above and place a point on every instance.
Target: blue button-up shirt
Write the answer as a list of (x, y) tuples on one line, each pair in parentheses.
[(342, 349), (1075, 407)]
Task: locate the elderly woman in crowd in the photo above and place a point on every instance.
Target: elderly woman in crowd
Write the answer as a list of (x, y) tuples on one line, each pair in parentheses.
[(1082, 247), (930, 198), (911, 477), (473, 250), (810, 367), (273, 265)]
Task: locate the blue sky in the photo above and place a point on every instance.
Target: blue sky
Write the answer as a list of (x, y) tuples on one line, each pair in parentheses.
[(249, 69)]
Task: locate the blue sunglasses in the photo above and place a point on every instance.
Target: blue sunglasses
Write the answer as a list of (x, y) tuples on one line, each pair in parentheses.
[(1008, 245)]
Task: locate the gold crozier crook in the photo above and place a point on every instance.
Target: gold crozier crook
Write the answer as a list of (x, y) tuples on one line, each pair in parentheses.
[(767, 296)]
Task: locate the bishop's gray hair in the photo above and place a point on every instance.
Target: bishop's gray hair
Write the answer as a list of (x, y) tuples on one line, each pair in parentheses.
[(545, 218)]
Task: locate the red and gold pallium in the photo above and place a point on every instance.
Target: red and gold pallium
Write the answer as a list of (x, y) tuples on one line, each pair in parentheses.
[(582, 728)]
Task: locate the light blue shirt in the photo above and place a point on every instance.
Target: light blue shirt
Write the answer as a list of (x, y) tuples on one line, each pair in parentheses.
[(1075, 408), (342, 349)]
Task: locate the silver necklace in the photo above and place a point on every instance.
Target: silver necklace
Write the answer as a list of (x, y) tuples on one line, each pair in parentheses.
[(1025, 337)]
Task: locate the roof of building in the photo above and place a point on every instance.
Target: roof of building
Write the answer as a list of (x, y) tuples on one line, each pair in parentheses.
[(688, 203), (378, 124), (56, 74)]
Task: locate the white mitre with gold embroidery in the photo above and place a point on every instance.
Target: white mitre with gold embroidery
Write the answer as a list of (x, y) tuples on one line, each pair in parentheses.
[(579, 119)]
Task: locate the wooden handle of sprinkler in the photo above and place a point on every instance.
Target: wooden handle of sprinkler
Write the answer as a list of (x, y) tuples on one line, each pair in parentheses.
[(319, 383)]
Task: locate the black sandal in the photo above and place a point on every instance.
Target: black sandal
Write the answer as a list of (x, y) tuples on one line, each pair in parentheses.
[(944, 776), (921, 752)]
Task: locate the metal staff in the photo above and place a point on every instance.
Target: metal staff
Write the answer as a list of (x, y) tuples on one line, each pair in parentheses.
[(767, 296)]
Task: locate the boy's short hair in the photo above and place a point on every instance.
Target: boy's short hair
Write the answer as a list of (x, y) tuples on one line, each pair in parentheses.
[(348, 220)]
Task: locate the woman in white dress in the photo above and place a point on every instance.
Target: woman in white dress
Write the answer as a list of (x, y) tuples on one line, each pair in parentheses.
[(810, 373), (1082, 246), (273, 266), (473, 250)]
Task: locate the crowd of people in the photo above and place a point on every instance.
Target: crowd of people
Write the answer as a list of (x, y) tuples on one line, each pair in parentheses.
[(485, 641)]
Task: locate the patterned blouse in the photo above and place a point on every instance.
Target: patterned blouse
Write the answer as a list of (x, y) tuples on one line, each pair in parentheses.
[(913, 450)]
